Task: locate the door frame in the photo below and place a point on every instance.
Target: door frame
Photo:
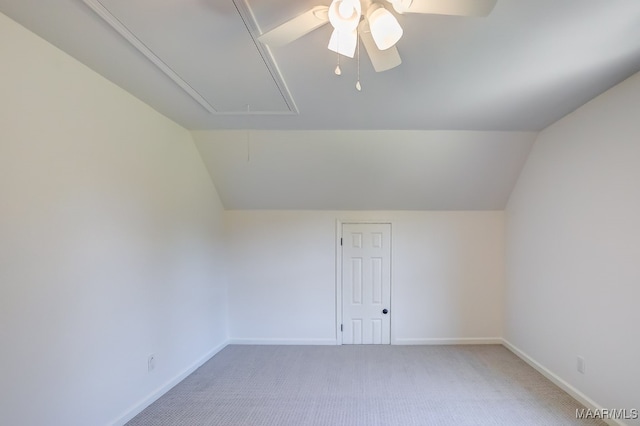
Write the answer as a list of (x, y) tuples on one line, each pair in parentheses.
[(339, 223)]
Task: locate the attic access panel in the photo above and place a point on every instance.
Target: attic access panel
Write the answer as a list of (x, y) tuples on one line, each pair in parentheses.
[(207, 49)]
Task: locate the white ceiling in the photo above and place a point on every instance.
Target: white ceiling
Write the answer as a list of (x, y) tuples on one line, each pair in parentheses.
[(455, 121), (364, 170), (523, 67)]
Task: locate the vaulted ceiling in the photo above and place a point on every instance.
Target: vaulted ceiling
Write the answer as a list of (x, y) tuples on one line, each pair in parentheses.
[(524, 66), (364, 170), (474, 90)]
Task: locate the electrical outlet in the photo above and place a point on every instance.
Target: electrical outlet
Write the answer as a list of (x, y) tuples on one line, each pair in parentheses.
[(580, 365), (151, 363)]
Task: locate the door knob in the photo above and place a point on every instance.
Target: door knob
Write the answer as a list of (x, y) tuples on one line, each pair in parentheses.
[(385, 311)]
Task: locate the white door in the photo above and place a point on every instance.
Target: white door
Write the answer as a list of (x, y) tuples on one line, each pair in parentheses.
[(366, 283)]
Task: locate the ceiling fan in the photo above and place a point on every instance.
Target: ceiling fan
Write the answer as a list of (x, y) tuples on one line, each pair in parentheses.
[(372, 22)]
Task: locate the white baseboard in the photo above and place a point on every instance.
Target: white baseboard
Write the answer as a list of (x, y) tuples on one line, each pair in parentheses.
[(145, 402), (268, 341), (575, 393), (450, 341)]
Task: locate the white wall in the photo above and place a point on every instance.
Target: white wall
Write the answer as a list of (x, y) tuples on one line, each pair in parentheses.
[(110, 243), (573, 249), (447, 275)]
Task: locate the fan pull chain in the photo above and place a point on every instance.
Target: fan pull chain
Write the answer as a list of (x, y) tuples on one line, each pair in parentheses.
[(358, 86), (338, 71), (248, 134)]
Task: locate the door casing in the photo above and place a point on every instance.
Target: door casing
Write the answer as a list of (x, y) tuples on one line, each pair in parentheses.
[(338, 292)]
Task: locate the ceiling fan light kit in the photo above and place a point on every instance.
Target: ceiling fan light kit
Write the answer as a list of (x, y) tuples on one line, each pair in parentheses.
[(343, 42), (401, 6), (385, 28), (371, 22), (344, 15)]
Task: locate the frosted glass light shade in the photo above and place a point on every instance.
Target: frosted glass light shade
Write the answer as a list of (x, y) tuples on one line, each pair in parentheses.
[(385, 29), (401, 6), (344, 15), (344, 42)]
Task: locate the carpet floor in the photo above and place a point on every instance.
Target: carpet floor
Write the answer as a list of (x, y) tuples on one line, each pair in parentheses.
[(473, 385)]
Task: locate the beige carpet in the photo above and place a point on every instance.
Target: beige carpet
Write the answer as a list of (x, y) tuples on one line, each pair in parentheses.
[(364, 386)]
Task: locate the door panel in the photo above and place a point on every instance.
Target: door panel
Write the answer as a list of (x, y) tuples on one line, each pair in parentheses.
[(366, 283)]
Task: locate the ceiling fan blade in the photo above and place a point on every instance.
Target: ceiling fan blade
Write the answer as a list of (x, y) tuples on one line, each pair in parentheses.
[(449, 7), (382, 60), (296, 27)]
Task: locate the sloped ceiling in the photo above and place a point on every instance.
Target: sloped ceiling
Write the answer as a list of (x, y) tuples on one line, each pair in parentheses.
[(364, 170), (523, 67), (448, 129)]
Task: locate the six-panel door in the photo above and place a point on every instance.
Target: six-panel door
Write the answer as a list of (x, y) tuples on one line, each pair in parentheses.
[(366, 283)]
